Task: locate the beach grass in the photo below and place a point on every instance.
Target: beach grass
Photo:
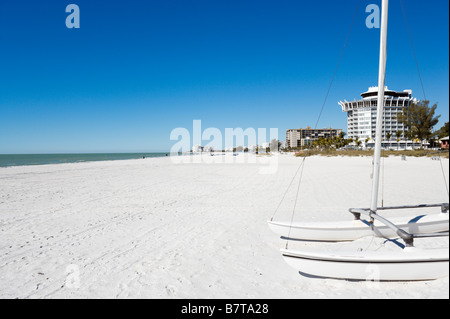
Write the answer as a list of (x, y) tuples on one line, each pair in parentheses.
[(384, 153)]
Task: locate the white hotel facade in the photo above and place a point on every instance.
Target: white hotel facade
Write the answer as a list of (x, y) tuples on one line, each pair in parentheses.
[(361, 115)]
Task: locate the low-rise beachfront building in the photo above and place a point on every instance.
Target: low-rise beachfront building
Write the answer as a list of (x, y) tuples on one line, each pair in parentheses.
[(202, 149), (305, 137), (197, 149), (362, 114)]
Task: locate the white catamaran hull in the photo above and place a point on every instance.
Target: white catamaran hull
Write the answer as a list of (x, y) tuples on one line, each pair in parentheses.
[(405, 265), (355, 229)]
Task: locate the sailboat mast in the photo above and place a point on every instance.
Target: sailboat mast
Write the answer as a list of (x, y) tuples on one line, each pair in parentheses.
[(380, 104)]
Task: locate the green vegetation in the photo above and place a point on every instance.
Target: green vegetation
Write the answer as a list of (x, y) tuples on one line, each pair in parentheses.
[(443, 131), (419, 120), (384, 153)]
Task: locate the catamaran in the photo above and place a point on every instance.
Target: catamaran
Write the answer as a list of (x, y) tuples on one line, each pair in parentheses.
[(403, 262)]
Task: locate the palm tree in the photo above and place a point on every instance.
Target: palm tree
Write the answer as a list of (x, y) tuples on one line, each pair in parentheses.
[(367, 141), (388, 137), (398, 134), (358, 142), (320, 143), (348, 141)]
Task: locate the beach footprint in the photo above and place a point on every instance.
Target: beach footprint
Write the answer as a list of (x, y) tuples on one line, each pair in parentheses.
[(170, 290)]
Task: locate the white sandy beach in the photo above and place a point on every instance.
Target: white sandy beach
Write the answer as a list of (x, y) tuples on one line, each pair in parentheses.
[(152, 228)]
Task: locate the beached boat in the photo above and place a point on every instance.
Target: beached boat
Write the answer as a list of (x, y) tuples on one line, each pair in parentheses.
[(350, 230), (408, 264), (399, 262)]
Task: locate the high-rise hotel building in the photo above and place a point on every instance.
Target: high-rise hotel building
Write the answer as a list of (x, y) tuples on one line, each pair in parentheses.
[(362, 114)]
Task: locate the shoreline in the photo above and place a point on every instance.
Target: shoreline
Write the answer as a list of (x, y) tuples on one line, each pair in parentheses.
[(16, 160), (64, 158), (137, 156)]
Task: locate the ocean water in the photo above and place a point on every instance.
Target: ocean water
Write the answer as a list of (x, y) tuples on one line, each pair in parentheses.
[(40, 159)]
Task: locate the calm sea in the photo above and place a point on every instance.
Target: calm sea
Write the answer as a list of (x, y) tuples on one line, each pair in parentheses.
[(39, 159)]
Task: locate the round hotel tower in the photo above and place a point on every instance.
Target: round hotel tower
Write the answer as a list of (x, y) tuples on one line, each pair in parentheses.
[(361, 115)]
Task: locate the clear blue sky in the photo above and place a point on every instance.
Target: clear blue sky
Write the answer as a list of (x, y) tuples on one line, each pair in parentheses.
[(137, 69)]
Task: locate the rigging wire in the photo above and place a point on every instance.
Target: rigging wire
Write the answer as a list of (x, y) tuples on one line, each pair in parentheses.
[(421, 82), (320, 115), (420, 77), (295, 203), (382, 179), (287, 189), (337, 66), (414, 51), (443, 175)]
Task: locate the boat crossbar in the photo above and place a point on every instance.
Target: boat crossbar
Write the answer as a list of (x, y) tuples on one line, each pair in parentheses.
[(444, 208), (407, 237)]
